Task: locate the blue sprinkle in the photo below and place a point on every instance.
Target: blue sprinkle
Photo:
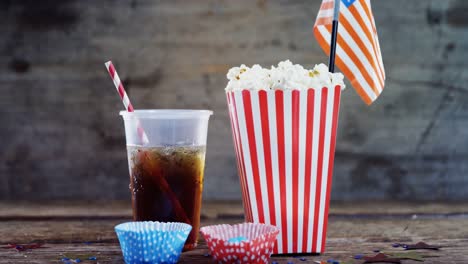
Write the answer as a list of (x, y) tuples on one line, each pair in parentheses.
[(92, 258), (65, 259), (274, 262), (330, 260), (237, 239), (290, 262), (303, 259), (359, 256), (206, 255), (395, 245), (77, 260), (88, 243), (376, 250), (405, 246)]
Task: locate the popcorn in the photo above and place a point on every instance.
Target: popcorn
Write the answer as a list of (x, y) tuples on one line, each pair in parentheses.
[(286, 76)]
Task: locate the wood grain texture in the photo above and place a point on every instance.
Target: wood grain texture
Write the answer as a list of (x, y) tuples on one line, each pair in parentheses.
[(356, 234), (62, 137)]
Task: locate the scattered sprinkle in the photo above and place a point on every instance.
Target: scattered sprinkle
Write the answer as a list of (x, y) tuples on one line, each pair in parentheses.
[(92, 258), (274, 262), (238, 239), (206, 255), (303, 259), (77, 260), (395, 245), (358, 256), (376, 250), (290, 262), (65, 259)]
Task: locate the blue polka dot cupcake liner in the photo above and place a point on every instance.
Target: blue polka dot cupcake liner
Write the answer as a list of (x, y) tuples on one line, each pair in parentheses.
[(152, 242), (241, 243)]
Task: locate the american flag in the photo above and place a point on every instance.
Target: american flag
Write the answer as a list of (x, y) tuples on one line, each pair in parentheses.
[(357, 49)]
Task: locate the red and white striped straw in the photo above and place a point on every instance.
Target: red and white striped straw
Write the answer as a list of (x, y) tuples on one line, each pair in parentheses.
[(126, 101)]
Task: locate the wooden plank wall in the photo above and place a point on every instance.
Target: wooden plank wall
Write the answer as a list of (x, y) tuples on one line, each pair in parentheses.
[(61, 136)]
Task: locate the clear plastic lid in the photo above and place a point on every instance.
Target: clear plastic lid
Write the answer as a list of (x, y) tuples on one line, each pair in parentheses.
[(166, 114)]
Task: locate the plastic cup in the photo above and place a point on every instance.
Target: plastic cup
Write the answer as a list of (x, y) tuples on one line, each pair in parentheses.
[(285, 147), (166, 173)]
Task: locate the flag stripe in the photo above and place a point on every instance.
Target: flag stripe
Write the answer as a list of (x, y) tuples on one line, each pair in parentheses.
[(367, 8), (327, 5), (343, 43), (367, 30), (346, 66), (358, 53), (326, 13), (324, 20), (350, 34), (362, 36)]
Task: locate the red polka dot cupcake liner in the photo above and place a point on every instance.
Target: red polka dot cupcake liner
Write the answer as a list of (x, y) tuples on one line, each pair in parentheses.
[(241, 243)]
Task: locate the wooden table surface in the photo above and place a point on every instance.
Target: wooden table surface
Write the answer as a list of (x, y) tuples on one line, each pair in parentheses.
[(86, 229)]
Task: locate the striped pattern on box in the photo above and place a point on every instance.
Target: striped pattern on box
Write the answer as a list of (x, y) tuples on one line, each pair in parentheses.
[(285, 146)]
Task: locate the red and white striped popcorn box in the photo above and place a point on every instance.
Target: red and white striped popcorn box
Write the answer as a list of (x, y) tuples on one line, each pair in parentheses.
[(285, 146)]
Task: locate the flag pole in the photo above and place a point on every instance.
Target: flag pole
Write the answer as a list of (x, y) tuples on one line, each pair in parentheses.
[(334, 34)]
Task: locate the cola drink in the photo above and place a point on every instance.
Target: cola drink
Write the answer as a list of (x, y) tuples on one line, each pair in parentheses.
[(166, 184)]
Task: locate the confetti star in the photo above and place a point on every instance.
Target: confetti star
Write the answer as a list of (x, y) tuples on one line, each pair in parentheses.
[(420, 245), (381, 258), (358, 256)]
